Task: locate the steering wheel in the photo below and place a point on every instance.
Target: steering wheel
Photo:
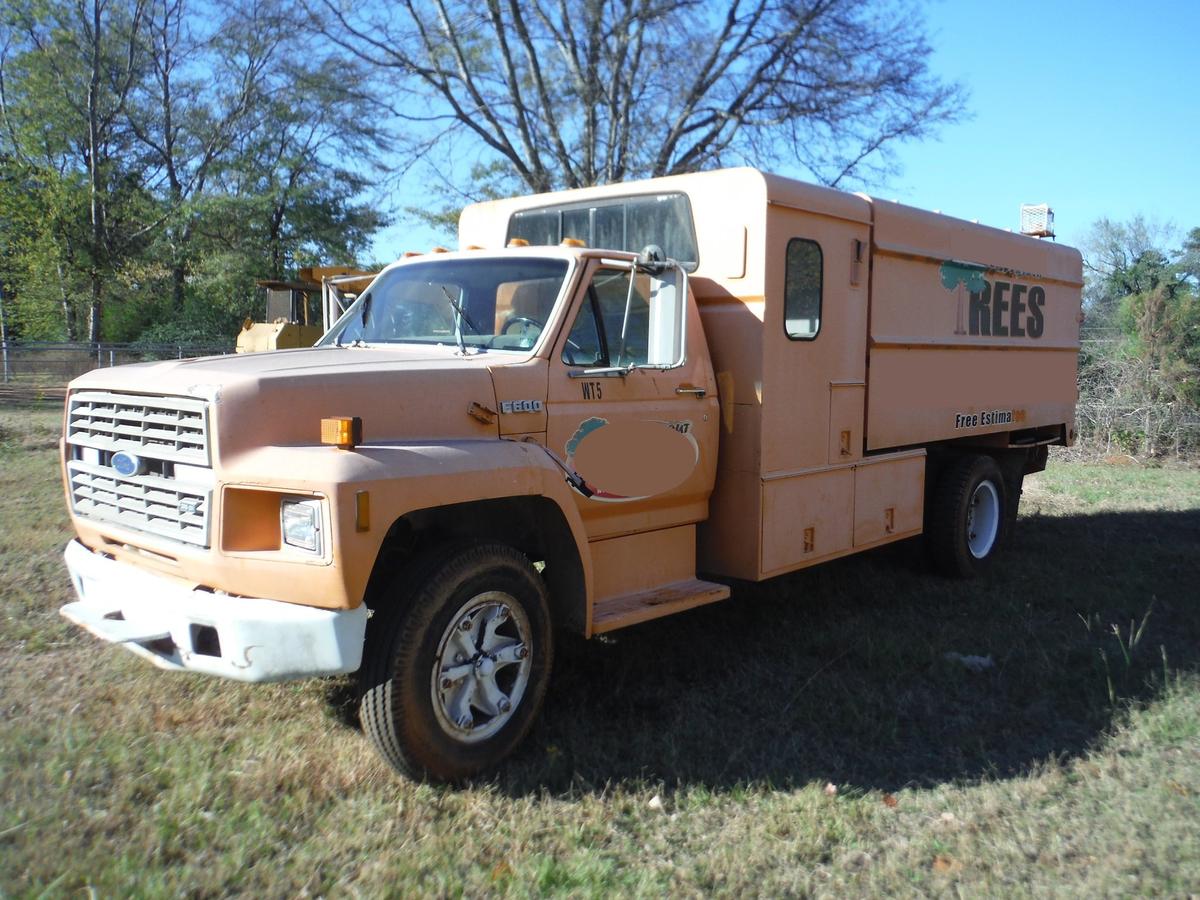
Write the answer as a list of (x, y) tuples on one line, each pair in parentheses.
[(523, 321)]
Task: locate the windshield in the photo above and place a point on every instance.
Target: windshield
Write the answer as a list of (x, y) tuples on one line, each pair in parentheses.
[(485, 304)]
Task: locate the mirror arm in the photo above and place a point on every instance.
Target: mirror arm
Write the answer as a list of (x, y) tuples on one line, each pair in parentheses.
[(684, 320)]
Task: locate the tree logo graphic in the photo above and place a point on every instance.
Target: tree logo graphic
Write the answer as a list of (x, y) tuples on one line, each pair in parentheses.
[(956, 276)]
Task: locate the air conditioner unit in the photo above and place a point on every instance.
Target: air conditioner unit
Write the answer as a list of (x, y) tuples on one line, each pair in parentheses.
[(1037, 220)]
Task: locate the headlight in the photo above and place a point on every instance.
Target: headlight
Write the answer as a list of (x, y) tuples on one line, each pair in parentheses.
[(301, 521)]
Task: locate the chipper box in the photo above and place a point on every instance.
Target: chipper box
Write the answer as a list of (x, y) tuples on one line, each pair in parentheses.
[(607, 403)]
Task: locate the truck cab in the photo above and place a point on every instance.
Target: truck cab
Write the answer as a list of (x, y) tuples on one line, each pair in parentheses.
[(605, 405)]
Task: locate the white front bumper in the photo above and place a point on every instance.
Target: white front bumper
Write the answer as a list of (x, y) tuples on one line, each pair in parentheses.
[(177, 627)]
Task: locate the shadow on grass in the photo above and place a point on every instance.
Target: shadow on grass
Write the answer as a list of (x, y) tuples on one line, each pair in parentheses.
[(838, 673)]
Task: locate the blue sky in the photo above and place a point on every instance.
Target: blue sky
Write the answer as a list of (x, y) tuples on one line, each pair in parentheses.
[(1092, 107)]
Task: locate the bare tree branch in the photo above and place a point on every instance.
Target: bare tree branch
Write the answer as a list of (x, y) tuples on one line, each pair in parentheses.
[(569, 94)]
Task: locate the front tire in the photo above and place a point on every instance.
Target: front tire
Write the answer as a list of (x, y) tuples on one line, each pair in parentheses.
[(456, 669), (969, 518)]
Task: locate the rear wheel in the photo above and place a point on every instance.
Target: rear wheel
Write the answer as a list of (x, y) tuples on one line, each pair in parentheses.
[(969, 517), (455, 671)]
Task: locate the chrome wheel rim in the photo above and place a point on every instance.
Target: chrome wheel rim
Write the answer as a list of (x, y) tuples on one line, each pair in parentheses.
[(983, 519), (482, 667)]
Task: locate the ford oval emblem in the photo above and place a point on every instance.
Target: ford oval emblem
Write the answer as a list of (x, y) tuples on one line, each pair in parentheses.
[(126, 464)]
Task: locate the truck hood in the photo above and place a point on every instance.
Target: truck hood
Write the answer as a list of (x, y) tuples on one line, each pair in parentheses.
[(278, 398)]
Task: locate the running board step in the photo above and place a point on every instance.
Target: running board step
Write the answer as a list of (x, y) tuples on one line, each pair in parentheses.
[(629, 609)]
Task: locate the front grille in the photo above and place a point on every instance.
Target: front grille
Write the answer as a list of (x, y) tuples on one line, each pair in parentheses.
[(151, 503), (170, 493), (169, 428)]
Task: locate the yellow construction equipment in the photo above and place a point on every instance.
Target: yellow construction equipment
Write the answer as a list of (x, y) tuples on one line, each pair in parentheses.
[(292, 311)]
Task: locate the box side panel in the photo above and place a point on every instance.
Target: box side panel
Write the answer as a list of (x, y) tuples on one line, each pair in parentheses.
[(728, 542), (972, 330), (733, 328), (732, 314), (930, 394), (845, 422), (806, 518), (801, 376), (889, 499)]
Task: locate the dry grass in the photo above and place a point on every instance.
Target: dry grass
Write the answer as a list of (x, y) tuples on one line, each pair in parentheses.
[(1072, 767)]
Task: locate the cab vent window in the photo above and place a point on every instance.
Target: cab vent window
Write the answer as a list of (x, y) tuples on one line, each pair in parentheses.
[(620, 223), (802, 290)]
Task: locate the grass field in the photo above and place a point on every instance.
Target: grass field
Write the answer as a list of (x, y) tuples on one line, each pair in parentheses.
[(808, 736)]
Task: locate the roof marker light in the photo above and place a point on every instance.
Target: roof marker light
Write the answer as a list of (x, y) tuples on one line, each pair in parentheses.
[(344, 432)]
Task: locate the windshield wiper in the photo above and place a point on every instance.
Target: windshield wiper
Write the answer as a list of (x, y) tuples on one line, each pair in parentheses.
[(460, 317), (362, 319)]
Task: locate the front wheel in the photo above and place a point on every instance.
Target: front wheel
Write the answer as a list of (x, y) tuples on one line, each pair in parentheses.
[(968, 519), (455, 671)]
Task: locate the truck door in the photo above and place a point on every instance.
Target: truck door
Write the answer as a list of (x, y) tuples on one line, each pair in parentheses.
[(632, 406)]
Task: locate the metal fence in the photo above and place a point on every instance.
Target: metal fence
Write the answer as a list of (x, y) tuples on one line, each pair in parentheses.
[(36, 371)]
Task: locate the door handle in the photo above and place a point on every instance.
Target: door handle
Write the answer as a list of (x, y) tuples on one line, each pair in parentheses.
[(698, 392)]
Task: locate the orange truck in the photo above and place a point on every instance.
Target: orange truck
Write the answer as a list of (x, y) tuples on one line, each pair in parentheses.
[(603, 396)]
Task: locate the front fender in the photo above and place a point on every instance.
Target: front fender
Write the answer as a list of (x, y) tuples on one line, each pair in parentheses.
[(407, 476)]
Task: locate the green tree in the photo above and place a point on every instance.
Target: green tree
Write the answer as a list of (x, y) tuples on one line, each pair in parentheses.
[(1139, 371), (158, 156), (294, 187), (1189, 257), (207, 70), (308, 161), (43, 220), (66, 72), (1112, 251)]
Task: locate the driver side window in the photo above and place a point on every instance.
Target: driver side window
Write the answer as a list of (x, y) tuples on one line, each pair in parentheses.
[(612, 327)]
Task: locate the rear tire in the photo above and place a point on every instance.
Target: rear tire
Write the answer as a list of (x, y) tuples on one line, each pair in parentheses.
[(969, 519), (456, 668)]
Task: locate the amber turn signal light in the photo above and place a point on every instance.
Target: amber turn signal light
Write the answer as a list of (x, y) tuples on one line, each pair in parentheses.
[(362, 511), (342, 431)]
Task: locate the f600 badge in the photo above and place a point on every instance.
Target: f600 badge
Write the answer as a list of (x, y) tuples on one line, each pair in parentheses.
[(520, 406)]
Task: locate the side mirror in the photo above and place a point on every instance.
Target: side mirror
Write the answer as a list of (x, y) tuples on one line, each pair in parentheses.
[(668, 317), (652, 259)]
